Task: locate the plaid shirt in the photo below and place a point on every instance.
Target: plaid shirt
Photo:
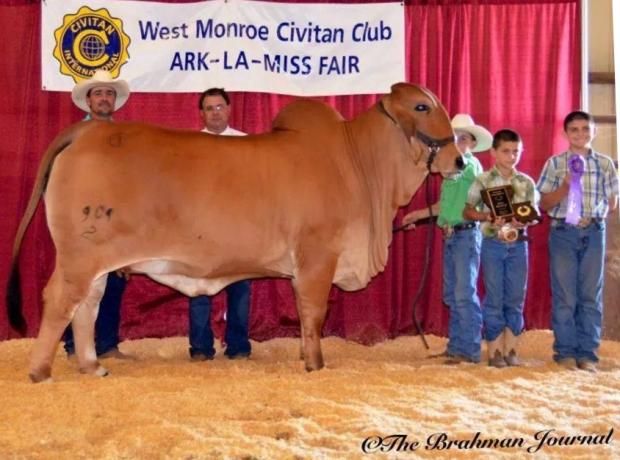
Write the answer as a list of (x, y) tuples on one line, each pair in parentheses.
[(522, 184), (599, 183)]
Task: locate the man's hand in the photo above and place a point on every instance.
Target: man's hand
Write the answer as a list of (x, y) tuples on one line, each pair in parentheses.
[(123, 273), (410, 219)]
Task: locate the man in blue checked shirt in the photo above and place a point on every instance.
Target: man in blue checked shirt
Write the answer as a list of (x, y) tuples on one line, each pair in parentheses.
[(577, 243)]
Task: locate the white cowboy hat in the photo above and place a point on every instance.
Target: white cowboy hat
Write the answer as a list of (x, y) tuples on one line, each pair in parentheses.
[(100, 78), (464, 122)]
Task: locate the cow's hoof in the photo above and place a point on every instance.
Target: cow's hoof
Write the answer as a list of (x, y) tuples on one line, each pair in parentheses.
[(97, 370), (40, 376), (102, 372), (314, 367)]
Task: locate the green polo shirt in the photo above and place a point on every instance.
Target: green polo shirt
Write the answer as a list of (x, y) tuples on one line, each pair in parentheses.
[(454, 192)]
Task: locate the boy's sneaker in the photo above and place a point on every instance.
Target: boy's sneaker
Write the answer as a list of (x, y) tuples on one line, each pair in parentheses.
[(587, 365), (512, 359)]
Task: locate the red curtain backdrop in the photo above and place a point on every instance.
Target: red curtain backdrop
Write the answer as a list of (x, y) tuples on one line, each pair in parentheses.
[(509, 63)]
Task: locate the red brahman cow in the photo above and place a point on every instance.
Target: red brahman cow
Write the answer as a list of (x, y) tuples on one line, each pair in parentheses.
[(313, 200)]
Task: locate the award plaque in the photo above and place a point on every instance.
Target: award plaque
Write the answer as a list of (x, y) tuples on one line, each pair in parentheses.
[(498, 200), (525, 213)]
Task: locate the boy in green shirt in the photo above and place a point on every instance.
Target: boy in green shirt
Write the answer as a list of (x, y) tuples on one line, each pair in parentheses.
[(461, 249)]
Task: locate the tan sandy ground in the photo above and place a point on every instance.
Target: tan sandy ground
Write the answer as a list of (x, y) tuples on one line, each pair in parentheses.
[(163, 406)]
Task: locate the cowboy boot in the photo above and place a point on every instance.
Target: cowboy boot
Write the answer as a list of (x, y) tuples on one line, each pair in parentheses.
[(494, 348), (510, 348)]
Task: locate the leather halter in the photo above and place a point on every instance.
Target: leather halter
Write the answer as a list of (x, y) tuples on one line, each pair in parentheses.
[(433, 144)]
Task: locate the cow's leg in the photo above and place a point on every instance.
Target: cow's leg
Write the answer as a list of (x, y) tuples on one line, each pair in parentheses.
[(61, 296), (301, 342), (315, 273), (84, 329)]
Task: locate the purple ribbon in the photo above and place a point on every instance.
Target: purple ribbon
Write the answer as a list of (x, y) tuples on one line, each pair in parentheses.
[(576, 166)]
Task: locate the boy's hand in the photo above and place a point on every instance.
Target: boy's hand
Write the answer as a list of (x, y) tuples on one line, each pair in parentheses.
[(566, 181), (498, 221), (516, 224)]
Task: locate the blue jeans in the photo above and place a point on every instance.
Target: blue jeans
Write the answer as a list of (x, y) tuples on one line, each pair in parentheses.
[(504, 268), (108, 320), (461, 261), (237, 319), (576, 259)]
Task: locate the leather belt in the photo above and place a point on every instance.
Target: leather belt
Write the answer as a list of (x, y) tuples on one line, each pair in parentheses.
[(464, 226), (449, 230), (583, 222)]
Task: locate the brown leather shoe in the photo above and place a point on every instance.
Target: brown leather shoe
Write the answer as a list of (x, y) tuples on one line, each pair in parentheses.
[(116, 354), (568, 363), (443, 354), (457, 359), (240, 355), (197, 357), (497, 360)]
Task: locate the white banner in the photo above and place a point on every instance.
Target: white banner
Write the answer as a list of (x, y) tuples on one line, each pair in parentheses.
[(298, 49)]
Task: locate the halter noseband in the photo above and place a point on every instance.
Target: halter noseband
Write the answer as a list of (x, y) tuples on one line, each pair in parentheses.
[(434, 145)]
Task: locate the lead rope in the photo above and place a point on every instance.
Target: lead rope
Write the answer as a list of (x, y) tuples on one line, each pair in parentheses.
[(434, 145), (427, 256)]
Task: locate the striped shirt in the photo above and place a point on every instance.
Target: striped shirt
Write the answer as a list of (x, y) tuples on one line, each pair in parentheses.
[(599, 183)]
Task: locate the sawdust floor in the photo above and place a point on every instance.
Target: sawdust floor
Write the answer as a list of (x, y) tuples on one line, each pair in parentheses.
[(268, 407)]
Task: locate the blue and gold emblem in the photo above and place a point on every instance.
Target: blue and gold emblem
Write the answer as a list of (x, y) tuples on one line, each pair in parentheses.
[(90, 40)]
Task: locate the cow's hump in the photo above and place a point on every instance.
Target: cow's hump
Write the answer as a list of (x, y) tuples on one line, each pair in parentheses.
[(306, 115)]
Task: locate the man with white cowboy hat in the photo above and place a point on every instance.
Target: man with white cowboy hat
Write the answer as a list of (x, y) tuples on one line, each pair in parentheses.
[(462, 241), (100, 97)]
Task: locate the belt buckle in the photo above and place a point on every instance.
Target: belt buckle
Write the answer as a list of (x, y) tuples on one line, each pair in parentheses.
[(448, 231), (584, 222), (508, 234)]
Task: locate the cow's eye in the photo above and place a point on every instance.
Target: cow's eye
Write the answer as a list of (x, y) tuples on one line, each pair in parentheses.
[(422, 108)]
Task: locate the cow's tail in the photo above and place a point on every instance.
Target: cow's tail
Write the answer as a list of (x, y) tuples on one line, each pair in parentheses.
[(13, 293)]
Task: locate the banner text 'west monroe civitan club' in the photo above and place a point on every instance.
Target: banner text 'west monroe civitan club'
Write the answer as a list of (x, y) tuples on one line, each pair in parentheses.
[(299, 49)]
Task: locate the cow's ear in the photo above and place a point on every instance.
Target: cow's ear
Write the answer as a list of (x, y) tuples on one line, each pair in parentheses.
[(398, 114), (398, 111), (386, 101)]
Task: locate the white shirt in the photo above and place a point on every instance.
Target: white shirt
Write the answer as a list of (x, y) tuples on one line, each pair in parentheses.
[(227, 132)]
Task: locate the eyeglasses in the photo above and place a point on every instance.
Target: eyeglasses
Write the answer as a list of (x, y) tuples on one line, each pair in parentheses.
[(215, 108)]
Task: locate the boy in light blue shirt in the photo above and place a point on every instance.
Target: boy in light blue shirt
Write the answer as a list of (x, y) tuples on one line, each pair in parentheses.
[(577, 244)]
